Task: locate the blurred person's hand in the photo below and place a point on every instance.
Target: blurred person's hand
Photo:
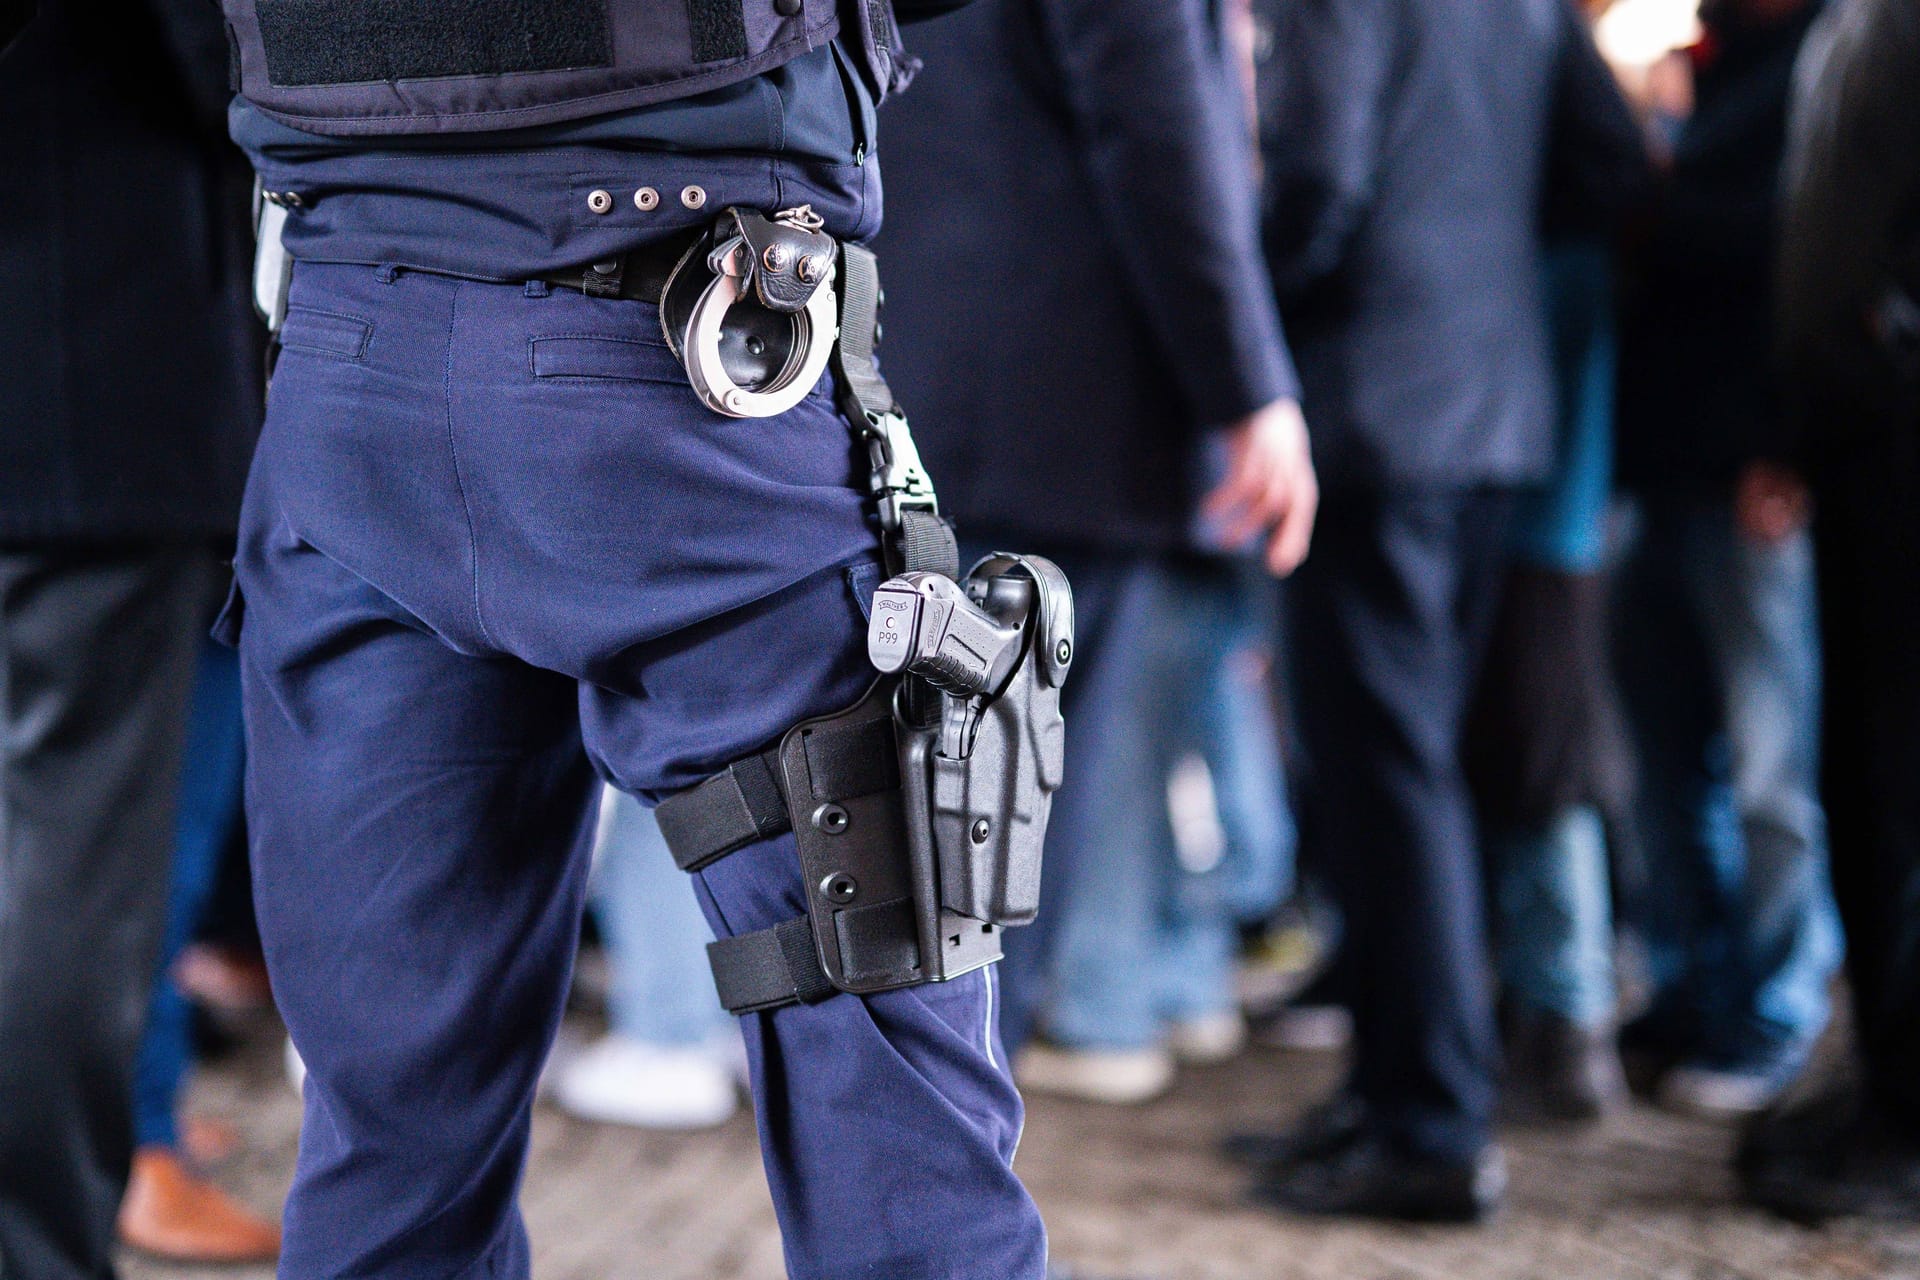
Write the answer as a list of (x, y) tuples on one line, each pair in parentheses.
[(1771, 503), (1269, 487), (1668, 86)]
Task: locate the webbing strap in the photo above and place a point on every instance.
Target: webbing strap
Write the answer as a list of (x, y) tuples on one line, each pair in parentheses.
[(734, 808), (917, 538), (859, 332), (769, 968), (927, 543), (747, 801)]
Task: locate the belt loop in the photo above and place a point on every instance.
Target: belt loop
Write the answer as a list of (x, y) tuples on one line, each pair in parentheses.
[(538, 288), (602, 279)]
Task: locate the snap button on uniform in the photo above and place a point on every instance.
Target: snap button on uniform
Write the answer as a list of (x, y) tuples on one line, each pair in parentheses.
[(786, 8), (646, 199), (693, 197), (600, 201)]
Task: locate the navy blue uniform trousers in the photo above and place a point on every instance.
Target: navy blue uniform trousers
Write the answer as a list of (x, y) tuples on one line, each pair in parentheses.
[(491, 546)]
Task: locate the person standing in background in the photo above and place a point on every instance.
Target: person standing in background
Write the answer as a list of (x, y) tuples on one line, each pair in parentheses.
[(1849, 340), (1719, 654), (1546, 749), (1405, 147), (171, 1211), (129, 399), (1073, 182)]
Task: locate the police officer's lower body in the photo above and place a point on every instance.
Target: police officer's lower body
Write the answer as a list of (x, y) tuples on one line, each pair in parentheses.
[(492, 544)]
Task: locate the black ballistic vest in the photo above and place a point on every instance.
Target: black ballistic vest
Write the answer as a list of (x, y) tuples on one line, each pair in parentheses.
[(370, 67)]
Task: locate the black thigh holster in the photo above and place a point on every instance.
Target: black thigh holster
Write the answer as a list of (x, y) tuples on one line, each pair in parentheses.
[(919, 813)]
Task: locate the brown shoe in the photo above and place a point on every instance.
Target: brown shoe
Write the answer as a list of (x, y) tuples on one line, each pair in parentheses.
[(172, 1214)]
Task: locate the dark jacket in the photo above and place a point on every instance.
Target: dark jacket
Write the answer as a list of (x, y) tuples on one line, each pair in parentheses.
[(1405, 145), (1072, 264), (1698, 394), (1849, 266), (129, 391)]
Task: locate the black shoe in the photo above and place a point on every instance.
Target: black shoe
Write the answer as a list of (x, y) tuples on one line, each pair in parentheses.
[(1559, 1070), (1323, 1130), (1371, 1178), (1654, 1043), (1823, 1120), (1830, 1158)]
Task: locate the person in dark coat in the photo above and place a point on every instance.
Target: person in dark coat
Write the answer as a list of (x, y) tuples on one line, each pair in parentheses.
[(1719, 656), (128, 404), (1405, 145), (1849, 342), (1073, 243)]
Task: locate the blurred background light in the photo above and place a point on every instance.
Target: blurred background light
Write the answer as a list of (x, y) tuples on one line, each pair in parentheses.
[(1636, 33)]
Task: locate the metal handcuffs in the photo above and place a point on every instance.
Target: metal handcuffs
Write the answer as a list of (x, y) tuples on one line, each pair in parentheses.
[(756, 336)]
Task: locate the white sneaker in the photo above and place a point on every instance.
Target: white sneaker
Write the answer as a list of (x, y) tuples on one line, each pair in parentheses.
[(1711, 1094), (621, 1081), (1309, 1028), (1209, 1038), (1124, 1077)]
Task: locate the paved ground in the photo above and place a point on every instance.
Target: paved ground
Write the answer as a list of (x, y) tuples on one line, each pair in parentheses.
[(1136, 1191)]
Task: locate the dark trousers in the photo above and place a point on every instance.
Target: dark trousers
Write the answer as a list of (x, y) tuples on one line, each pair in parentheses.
[(96, 660), (1868, 543), (494, 550), (1389, 620)]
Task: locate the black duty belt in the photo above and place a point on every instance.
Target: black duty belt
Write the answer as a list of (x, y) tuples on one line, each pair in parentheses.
[(639, 275)]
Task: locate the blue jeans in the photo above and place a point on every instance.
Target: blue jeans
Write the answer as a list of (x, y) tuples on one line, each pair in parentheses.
[(494, 553), (656, 938), (1127, 938), (209, 820), (1553, 897), (1720, 665)]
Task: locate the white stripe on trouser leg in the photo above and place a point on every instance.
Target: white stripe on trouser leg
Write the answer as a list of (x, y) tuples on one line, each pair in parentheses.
[(989, 1027)]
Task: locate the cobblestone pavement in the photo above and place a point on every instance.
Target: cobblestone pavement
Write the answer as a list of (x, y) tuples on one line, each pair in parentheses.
[(1134, 1192)]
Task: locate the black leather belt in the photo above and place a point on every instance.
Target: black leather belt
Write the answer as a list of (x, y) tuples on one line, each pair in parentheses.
[(640, 275)]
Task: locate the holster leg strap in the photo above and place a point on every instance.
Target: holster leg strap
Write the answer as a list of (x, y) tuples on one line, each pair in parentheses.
[(736, 807), (769, 969)]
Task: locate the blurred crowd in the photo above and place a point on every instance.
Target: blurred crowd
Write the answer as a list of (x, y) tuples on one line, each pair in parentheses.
[(1578, 757)]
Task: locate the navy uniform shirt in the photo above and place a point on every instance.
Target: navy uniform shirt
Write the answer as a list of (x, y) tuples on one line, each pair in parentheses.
[(521, 203)]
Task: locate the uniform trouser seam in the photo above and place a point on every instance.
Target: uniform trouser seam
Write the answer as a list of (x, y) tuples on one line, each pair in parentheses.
[(453, 453)]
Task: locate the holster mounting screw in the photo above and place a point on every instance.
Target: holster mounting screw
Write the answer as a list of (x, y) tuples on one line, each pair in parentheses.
[(981, 830), (840, 887), (831, 819), (1064, 652)]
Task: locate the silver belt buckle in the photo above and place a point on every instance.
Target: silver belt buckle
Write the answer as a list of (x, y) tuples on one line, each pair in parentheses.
[(815, 329)]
